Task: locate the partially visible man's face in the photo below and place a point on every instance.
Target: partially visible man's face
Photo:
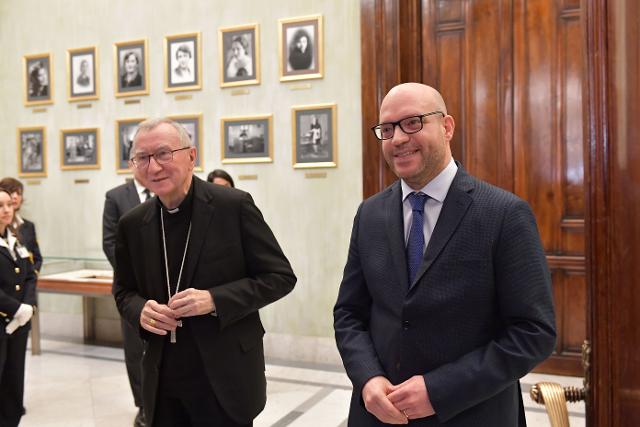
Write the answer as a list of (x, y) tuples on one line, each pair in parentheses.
[(183, 59), (42, 77), (170, 180), (419, 157)]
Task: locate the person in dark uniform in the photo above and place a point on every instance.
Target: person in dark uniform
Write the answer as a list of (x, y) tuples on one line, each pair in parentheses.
[(26, 229), (118, 201), (17, 304)]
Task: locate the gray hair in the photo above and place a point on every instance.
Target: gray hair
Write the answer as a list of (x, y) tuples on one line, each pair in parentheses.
[(150, 124)]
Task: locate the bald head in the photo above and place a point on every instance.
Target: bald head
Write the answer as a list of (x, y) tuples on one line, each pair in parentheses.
[(417, 94)]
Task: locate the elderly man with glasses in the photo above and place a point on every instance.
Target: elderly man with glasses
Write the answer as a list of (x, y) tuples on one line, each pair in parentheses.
[(446, 296), (193, 267)]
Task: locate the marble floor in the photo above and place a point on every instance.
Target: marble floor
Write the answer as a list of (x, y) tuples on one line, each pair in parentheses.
[(75, 385)]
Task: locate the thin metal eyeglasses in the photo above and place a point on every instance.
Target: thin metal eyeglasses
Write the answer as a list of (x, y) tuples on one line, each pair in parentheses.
[(408, 125), (161, 157)]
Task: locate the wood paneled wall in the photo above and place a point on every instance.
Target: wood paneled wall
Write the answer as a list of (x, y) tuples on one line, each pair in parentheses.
[(511, 73), (612, 91)]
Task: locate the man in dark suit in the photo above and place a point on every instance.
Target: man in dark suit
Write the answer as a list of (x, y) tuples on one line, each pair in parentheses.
[(26, 230), (193, 267), (118, 201), (446, 296)]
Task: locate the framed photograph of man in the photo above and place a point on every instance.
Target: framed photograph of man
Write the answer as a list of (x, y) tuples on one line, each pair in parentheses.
[(125, 131), (182, 62), (38, 79), (79, 149), (192, 123), (32, 152), (314, 136), (239, 48), (82, 74), (247, 139), (131, 68), (301, 48)]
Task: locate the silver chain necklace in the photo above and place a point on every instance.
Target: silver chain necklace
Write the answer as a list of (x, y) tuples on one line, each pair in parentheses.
[(166, 266)]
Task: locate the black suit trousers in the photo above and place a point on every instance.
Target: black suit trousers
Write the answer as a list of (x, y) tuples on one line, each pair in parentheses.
[(133, 350)]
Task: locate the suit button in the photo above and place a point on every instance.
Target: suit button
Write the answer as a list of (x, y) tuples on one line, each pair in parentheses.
[(405, 325), (18, 288), (17, 270)]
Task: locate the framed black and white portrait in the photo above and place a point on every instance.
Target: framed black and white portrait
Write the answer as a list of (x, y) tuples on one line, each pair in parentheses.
[(314, 136), (239, 48), (131, 68), (38, 78), (82, 74), (182, 62), (125, 131), (301, 50), (192, 123), (247, 139), (32, 152), (79, 149)]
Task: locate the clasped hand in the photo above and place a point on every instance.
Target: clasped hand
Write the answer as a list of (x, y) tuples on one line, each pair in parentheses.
[(397, 404), (22, 316), (160, 318)]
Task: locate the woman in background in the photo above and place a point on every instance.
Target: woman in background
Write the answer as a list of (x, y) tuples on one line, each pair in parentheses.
[(25, 229), (17, 304), (220, 177)]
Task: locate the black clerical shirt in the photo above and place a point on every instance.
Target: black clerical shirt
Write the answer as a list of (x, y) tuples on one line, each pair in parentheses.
[(182, 365)]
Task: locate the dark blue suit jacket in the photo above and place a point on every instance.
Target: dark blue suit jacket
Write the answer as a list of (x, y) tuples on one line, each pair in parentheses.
[(478, 316)]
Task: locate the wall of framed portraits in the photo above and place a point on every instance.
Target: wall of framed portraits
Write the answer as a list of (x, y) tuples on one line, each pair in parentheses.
[(270, 91)]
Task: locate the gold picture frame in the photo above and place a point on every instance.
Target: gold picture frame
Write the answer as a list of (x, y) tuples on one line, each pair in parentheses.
[(83, 83), (32, 151), (193, 125), (80, 149), (182, 62), (247, 139), (238, 70), (125, 131), (38, 79), (314, 136), (301, 48), (131, 79)]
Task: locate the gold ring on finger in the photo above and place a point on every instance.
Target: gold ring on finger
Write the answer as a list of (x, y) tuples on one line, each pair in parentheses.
[(152, 322)]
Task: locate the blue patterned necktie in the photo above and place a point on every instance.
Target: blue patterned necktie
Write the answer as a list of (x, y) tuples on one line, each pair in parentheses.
[(415, 245)]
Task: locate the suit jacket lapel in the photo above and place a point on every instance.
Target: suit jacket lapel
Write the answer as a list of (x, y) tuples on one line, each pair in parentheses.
[(152, 253), (4, 251), (395, 231), (454, 209), (201, 216)]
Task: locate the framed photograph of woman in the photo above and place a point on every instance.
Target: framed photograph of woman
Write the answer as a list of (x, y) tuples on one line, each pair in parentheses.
[(131, 68), (79, 149), (301, 48), (125, 131), (192, 123), (38, 79), (239, 55), (32, 152), (82, 74), (182, 62), (314, 136), (247, 139)]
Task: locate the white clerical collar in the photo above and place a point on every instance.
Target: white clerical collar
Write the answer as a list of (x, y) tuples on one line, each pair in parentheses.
[(438, 187)]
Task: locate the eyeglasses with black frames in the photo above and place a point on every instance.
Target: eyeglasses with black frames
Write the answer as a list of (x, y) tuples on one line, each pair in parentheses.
[(161, 157), (408, 125)]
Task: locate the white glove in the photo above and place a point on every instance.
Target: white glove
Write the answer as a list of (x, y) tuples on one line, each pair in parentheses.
[(22, 316)]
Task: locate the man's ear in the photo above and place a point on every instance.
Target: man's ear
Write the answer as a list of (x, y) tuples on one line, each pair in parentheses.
[(449, 127)]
